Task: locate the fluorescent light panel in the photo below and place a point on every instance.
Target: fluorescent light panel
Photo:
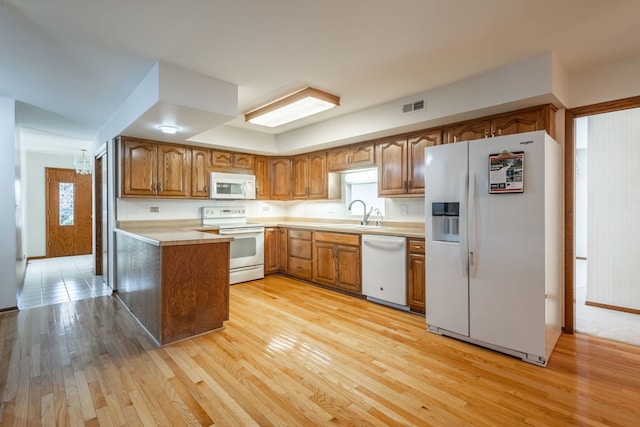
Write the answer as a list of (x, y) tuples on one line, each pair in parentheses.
[(304, 103)]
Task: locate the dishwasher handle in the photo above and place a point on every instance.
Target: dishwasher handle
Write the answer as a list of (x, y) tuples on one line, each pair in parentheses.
[(384, 244)]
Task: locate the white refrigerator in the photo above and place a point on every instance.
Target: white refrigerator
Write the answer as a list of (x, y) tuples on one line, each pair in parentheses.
[(494, 243)]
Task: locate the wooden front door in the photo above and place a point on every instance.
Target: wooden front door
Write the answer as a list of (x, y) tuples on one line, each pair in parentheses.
[(68, 212)]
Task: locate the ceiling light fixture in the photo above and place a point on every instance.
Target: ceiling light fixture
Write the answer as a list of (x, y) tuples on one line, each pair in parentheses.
[(168, 129), (298, 105), (82, 164)]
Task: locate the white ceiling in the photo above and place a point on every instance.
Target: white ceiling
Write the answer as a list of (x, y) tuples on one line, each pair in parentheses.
[(71, 63)]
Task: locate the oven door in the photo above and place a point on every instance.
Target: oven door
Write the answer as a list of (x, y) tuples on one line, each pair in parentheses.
[(247, 248)]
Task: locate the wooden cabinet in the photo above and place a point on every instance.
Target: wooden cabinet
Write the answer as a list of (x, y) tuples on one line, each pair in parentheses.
[(401, 163), (261, 170), (351, 157), (526, 120), (271, 255), (280, 178), (226, 161), (337, 261), (300, 254), (200, 168), (149, 169), (283, 250), (311, 179), (416, 275)]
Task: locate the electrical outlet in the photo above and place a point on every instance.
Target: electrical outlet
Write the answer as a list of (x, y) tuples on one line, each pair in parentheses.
[(265, 209), (154, 209), (404, 209)]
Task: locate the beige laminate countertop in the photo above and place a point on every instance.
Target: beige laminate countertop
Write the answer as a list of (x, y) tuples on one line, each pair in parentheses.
[(391, 230), (169, 233)]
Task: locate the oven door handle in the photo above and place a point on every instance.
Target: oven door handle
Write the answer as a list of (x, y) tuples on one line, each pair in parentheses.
[(241, 231)]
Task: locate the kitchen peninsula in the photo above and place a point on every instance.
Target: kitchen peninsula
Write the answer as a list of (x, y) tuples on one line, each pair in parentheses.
[(173, 279)]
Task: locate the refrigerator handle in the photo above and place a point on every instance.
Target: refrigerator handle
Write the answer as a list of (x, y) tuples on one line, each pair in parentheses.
[(471, 222), (462, 228)]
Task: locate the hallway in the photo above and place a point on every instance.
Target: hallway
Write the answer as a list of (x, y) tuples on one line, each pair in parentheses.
[(55, 280)]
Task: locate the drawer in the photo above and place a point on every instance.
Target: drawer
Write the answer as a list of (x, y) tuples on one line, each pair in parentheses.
[(300, 248), (343, 239), (299, 268), (300, 234), (416, 246)]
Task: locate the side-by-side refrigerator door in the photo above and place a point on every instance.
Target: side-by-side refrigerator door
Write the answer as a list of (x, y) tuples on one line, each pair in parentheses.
[(506, 238), (447, 292)]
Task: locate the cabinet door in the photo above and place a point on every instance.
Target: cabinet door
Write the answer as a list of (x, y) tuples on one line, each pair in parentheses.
[(518, 123), (392, 170), (300, 181), (339, 159), (283, 249), (271, 240), (348, 269), (416, 146), (324, 263), (280, 178), (362, 155), (468, 131), (200, 167), (262, 177), (174, 170), (243, 161), (317, 176), (221, 159), (139, 165), (416, 283)]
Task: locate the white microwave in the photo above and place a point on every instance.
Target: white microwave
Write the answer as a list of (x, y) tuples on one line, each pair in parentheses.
[(234, 186)]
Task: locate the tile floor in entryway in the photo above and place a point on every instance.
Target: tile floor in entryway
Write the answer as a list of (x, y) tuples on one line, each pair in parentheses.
[(56, 280)]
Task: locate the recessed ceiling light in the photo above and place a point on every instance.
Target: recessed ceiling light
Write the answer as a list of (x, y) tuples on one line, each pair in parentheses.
[(168, 129)]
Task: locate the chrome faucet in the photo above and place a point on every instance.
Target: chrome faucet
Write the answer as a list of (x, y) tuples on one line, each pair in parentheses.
[(365, 215), (379, 222)]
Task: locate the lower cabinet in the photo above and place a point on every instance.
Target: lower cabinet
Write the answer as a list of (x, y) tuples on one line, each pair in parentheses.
[(416, 273), (299, 262), (337, 261), (271, 250)]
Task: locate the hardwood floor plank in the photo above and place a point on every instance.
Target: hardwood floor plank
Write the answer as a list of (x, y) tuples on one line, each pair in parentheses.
[(296, 354)]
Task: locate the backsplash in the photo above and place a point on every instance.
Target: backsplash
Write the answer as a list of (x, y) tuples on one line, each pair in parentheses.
[(396, 209)]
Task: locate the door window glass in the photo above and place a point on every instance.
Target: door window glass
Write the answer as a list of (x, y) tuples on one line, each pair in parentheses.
[(65, 197)]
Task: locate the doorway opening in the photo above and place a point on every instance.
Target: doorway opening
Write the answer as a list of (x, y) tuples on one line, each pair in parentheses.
[(602, 198)]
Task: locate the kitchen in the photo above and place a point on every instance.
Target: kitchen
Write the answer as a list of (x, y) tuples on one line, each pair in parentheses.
[(533, 81)]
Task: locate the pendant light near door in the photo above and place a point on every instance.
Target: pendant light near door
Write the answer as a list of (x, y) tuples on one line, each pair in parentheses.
[(82, 164)]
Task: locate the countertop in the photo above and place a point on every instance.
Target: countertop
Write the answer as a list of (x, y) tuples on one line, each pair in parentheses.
[(389, 230), (170, 233), (183, 232)]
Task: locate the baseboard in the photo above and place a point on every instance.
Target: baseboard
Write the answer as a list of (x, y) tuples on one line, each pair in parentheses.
[(612, 307)]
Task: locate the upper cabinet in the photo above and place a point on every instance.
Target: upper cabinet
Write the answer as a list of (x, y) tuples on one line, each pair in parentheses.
[(150, 169), (280, 178), (527, 120), (351, 157), (261, 170), (401, 163), (226, 161), (311, 179), (200, 168)]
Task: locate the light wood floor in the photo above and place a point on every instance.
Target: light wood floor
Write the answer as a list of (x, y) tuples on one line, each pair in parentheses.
[(296, 355)]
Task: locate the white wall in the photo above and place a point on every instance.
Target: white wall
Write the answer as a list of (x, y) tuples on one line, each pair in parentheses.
[(35, 194), (605, 83), (8, 205)]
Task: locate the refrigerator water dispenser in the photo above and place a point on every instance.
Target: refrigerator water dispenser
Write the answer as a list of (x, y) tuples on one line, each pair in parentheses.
[(446, 221)]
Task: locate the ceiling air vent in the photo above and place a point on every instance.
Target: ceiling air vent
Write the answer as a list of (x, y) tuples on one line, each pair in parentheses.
[(413, 106)]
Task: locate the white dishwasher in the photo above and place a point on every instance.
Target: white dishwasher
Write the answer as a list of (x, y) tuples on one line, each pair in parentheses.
[(384, 278)]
